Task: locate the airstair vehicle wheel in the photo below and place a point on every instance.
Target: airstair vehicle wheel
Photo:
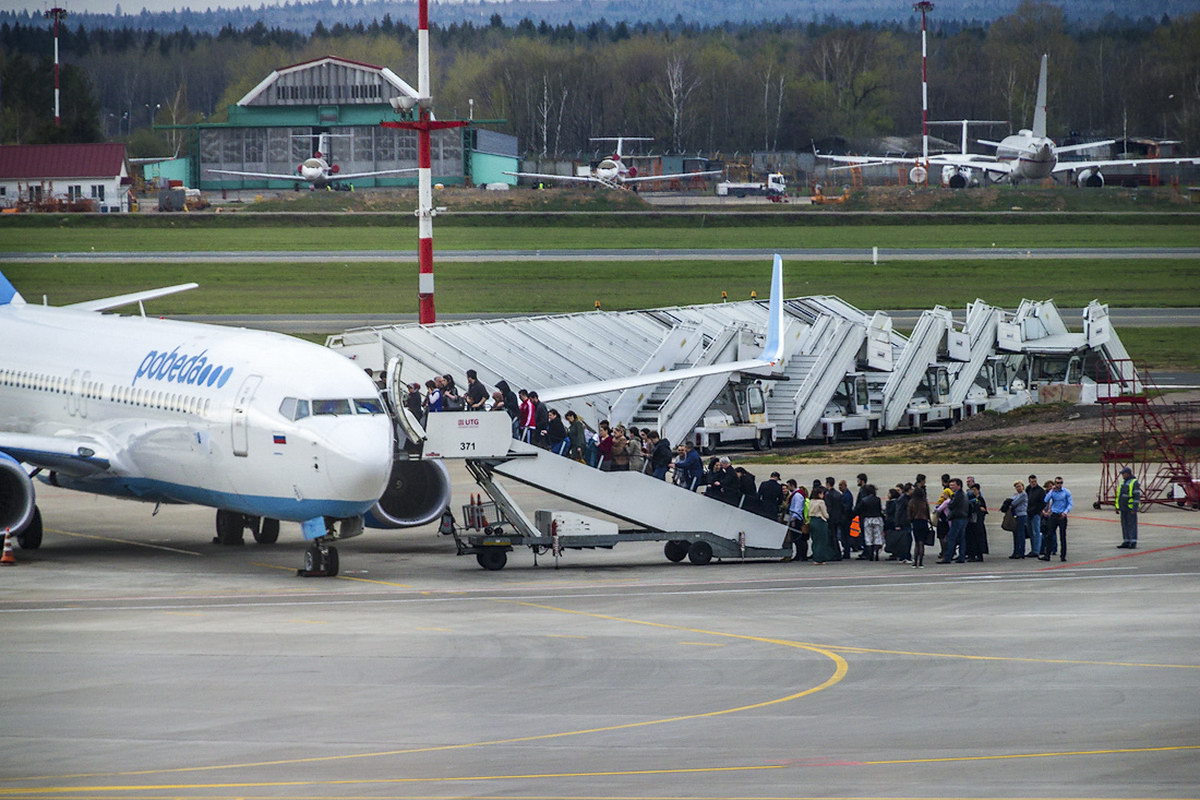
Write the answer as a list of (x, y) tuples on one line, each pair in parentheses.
[(268, 531), (31, 537), (700, 553), (763, 442), (492, 558), (230, 526), (675, 550)]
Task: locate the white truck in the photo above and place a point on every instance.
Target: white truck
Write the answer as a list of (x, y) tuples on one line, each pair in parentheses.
[(774, 186)]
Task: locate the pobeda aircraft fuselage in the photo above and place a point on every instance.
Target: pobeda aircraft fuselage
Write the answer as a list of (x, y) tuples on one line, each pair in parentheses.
[(259, 425)]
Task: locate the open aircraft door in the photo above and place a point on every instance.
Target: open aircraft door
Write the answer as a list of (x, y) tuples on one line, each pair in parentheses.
[(405, 419), (241, 414)]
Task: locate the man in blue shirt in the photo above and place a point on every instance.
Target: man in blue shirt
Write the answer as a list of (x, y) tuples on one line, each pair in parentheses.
[(1058, 506)]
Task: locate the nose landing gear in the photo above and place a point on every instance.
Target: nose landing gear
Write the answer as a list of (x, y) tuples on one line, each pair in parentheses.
[(320, 561)]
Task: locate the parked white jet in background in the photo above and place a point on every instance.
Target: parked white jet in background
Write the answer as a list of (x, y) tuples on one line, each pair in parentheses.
[(612, 171), (1028, 154), (315, 171)]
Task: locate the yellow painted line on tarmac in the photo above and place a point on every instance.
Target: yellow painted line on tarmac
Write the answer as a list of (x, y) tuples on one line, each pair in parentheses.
[(1035, 755), (386, 781), (840, 670), (372, 580), (969, 657), (124, 541), (272, 566), (703, 644)]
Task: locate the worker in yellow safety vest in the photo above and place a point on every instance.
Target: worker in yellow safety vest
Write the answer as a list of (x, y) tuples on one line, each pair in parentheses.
[(1129, 495)]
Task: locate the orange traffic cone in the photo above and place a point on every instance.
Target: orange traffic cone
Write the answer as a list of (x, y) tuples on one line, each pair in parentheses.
[(8, 559)]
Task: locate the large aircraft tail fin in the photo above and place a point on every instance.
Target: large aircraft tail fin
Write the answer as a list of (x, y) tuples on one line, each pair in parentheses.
[(8, 292), (1039, 113)]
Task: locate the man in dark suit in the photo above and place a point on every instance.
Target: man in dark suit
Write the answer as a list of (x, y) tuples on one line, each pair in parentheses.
[(770, 496)]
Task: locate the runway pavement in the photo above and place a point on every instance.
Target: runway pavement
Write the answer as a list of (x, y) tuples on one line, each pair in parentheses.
[(143, 661), (616, 254)]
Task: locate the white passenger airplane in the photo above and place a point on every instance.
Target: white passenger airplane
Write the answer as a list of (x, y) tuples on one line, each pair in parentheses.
[(261, 426), (315, 171), (613, 171), (1028, 154)]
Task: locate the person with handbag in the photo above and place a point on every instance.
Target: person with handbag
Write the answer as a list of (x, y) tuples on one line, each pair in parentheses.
[(918, 514), (1016, 518)]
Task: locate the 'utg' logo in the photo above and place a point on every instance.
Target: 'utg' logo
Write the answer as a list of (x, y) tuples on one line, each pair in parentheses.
[(175, 367)]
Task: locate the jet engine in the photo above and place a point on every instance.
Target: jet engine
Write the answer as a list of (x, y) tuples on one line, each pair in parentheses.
[(1089, 178), (954, 177), (16, 495), (917, 174), (417, 493)]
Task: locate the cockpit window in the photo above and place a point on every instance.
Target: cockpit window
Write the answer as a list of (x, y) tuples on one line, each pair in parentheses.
[(368, 405), (293, 409), (330, 407)]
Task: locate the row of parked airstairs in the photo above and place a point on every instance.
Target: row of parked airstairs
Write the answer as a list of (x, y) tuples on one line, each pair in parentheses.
[(844, 371)]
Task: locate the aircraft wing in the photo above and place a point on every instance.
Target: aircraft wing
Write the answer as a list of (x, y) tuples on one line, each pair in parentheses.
[(105, 303), (580, 178), (645, 178), (341, 176), (1064, 166), (272, 175), (69, 455), (770, 357), (1071, 148), (972, 161)]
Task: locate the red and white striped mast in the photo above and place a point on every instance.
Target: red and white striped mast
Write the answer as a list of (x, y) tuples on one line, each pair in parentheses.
[(424, 124), (56, 14), (924, 6)]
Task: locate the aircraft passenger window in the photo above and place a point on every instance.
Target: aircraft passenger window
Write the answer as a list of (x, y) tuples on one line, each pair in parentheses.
[(368, 405), (330, 407)]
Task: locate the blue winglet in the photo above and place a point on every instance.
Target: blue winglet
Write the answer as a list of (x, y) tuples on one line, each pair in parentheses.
[(8, 292)]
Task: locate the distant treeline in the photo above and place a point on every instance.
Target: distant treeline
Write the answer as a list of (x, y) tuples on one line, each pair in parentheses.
[(727, 88)]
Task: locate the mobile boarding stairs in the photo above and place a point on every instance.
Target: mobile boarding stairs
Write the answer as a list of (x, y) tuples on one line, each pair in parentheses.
[(692, 526)]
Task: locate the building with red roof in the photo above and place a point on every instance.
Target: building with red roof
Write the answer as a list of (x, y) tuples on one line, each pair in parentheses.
[(72, 173)]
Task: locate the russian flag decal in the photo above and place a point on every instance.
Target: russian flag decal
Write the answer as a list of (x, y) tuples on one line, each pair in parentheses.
[(280, 439)]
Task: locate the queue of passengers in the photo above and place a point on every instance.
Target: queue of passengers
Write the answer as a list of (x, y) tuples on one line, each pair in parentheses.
[(828, 515)]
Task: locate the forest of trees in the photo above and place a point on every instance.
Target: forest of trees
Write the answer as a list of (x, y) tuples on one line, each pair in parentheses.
[(717, 89)]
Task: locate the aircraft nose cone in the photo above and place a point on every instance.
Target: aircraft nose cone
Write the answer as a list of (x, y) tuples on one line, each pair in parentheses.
[(361, 458)]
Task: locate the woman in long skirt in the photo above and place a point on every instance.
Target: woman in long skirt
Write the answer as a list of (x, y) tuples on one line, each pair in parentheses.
[(823, 548), (977, 544)]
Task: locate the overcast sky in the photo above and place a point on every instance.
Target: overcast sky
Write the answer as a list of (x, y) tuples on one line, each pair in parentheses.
[(133, 6)]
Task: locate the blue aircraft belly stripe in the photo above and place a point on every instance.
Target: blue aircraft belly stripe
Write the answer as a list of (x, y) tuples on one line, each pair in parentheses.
[(7, 290), (284, 508)]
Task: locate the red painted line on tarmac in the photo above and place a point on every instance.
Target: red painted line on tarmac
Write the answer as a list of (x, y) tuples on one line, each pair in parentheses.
[(1116, 558), (1140, 523)]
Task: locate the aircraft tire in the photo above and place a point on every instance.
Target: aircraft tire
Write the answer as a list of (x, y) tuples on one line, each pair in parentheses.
[(331, 562), (268, 531), (31, 537), (700, 553), (675, 550), (230, 527), (492, 558)]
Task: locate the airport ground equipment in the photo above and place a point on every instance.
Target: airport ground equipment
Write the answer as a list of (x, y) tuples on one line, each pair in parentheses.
[(1158, 440), (847, 371), (738, 416), (693, 526), (774, 186)]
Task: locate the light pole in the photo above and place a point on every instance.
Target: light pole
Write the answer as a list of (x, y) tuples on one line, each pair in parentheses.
[(423, 124), (152, 112), (924, 6), (57, 15)]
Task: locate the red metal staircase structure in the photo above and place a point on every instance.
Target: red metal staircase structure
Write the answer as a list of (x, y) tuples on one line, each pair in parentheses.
[(1160, 441)]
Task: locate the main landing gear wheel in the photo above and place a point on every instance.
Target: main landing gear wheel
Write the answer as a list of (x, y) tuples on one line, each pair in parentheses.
[(492, 558), (31, 537), (675, 550), (320, 561), (268, 531), (700, 553), (230, 527)]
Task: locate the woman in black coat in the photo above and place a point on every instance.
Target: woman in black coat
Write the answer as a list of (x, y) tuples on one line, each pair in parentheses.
[(977, 546)]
